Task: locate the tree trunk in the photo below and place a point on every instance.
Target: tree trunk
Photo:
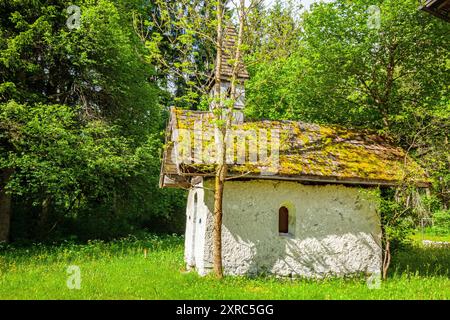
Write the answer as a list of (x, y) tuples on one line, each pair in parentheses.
[(390, 70), (5, 205), (387, 258), (43, 218), (221, 168), (221, 175)]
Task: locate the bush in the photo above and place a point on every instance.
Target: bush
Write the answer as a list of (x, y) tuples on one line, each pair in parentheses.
[(441, 222), (397, 220)]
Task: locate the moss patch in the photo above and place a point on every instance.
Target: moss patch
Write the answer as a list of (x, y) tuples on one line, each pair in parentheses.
[(305, 149)]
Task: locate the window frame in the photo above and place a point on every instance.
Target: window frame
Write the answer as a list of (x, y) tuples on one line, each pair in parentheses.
[(291, 220), (283, 217)]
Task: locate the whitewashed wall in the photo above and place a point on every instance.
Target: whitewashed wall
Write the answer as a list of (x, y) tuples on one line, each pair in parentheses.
[(195, 236), (336, 230)]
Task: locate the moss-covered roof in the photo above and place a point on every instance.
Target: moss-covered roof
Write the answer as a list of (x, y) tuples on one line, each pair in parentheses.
[(306, 152)]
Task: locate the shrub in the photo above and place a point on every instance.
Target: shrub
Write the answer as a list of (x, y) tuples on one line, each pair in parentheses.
[(441, 222)]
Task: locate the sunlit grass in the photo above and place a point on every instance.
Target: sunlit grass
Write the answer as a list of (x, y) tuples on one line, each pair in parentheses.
[(119, 270), (419, 236)]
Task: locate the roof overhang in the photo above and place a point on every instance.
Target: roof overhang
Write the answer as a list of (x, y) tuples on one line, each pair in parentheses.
[(328, 156), (438, 8), (187, 180)]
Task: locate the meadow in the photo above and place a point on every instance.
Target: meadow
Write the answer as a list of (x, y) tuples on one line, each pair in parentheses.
[(152, 268)]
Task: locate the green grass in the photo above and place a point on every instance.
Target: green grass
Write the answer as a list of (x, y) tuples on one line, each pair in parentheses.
[(119, 270), (418, 236)]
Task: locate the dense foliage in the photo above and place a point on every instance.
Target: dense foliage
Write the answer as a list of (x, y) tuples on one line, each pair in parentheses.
[(80, 123), (82, 110), (335, 64)]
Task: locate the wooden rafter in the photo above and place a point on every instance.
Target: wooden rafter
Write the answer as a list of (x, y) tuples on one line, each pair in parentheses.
[(439, 8)]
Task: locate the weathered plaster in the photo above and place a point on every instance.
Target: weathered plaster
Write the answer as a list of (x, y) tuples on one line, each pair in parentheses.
[(336, 229), (195, 236)]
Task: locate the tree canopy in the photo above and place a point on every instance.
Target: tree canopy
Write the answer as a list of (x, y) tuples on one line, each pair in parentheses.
[(80, 120), (340, 68), (84, 97)]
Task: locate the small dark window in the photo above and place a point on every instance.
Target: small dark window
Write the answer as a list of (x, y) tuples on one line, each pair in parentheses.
[(283, 220)]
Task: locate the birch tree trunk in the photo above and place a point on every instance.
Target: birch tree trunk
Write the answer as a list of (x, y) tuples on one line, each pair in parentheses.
[(221, 174), (222, 167)]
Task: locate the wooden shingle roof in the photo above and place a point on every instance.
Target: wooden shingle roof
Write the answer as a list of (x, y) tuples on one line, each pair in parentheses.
[(439, 8), (228, 54), (307, 152)]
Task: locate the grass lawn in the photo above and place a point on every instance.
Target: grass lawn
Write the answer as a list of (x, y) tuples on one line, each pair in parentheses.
[(119, 270), (419, 237)]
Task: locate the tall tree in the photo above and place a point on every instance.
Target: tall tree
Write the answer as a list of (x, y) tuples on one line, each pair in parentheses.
[(347, 69), (187, 26), (382, 65), (72, 78)]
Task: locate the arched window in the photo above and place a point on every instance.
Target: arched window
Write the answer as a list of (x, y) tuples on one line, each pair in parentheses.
[(283, 220)]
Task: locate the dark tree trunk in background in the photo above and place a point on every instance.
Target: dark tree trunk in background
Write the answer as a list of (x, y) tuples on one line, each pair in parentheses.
[(5, 205), (43, 218)]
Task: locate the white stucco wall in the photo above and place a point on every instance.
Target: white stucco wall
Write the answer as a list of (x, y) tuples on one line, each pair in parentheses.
[(336, 230), (195, 236)]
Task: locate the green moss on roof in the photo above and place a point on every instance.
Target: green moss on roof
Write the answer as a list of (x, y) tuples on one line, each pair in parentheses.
[(312, 150)]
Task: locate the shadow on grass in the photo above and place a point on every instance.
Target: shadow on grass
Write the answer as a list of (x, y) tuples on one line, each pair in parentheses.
[(423, 261)]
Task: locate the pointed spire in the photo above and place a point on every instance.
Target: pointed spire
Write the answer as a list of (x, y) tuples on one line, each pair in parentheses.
[(229, 50), (228, 54)]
